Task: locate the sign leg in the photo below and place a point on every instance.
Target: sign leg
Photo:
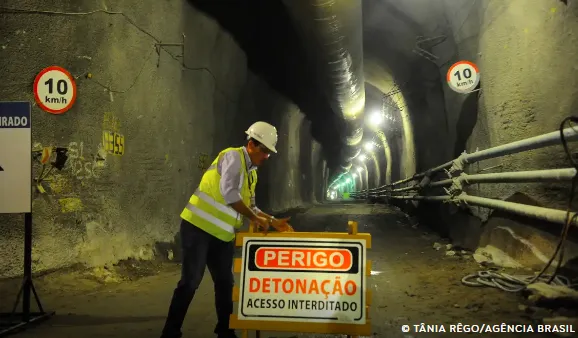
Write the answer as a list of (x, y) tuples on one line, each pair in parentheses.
[(27, 267)]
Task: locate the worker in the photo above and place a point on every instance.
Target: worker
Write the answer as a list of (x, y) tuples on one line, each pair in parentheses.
[(216, 209)]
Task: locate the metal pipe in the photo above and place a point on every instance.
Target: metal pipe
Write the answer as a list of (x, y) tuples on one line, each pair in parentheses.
[(547, 175), (422, 198), (531, 143), (367, 180), (413, 187), (545, 214)]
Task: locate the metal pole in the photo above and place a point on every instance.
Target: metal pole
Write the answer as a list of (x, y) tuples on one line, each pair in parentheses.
[(367, 180), (27, 267)]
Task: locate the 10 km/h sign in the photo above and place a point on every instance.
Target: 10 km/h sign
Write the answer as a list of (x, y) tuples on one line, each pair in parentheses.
[(303, 280), (463, 77), (55, 90)]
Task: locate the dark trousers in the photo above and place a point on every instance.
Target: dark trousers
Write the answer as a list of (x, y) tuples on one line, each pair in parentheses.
[(202, 250)]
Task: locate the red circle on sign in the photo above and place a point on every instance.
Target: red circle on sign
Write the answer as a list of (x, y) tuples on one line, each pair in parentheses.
[(473, 65), (39, 100)]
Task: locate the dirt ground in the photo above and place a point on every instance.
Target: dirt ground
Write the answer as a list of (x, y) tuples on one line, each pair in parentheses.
[(412, 283)]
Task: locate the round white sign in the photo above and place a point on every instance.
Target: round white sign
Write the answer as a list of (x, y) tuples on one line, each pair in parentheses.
[(55, 90), (463, 76)]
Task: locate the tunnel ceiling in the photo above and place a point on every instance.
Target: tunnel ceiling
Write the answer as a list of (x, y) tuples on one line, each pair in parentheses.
[(275, 52), (263, 29)]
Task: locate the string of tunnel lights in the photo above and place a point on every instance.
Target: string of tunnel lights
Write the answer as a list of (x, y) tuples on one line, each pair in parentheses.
[(375, 120)]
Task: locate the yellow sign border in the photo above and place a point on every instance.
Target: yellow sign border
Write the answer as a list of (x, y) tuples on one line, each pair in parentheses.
[(352, 330)]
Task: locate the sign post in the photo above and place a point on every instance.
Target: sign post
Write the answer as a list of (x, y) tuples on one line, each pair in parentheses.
[(307, 282), (16, 198)]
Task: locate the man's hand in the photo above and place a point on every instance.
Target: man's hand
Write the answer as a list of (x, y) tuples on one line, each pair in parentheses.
[(261, 223), (282, 226)]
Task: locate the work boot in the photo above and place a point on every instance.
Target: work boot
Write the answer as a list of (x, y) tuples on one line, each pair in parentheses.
[(227, 334)]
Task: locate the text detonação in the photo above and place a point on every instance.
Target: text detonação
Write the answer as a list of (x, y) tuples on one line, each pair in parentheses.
[(328, 287)]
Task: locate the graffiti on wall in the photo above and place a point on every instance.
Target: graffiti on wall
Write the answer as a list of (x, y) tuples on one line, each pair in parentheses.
[(110, 122), (74, 159), (82, 167), (112, 138), (113, 142)]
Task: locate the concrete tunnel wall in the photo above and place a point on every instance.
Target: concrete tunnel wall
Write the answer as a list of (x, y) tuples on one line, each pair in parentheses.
[(526, 52), (103, 208)]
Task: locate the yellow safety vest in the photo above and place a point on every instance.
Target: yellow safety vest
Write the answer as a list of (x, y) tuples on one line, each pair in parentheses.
[(207, 208)]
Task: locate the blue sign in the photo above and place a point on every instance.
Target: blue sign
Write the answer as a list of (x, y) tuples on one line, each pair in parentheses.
[(15, 157), (14, 115)]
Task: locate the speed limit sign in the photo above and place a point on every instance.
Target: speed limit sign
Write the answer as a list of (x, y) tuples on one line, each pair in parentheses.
[(55, 90), (463, 76)]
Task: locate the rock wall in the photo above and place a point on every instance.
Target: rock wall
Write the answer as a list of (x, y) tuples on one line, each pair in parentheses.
[(525, 51), (174, 110)]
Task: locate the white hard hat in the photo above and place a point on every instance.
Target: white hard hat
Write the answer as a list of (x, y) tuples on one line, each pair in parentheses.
[(264, 133)]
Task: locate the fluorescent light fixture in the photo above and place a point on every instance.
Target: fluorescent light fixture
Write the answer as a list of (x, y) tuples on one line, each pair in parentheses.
[(376, 118), (369, 146)]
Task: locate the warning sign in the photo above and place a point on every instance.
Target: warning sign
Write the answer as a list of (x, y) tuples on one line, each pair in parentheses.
[(303, 280), (463, 77), (55, 90)]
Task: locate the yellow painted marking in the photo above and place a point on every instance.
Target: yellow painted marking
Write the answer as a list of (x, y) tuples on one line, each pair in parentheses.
[(58, 184), (70, 204), (110, 122), (113, 143)]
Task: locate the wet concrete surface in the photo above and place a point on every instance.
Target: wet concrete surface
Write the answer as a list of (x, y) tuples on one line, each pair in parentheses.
[(412, 283)]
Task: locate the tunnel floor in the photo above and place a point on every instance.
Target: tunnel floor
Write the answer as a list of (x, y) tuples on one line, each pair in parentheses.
[(412, 283)]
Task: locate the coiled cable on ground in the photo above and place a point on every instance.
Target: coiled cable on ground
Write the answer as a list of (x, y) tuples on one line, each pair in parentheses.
[(512, 283)]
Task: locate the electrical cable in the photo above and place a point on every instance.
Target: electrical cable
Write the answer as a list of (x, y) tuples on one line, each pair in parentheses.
[(127, 18), (133, 82), (516, 283)]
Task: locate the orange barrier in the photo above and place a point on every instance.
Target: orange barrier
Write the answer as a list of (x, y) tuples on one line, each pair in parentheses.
[(303, 282)]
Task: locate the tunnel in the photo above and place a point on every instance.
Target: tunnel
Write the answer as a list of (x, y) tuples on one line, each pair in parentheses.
[(467, 194)]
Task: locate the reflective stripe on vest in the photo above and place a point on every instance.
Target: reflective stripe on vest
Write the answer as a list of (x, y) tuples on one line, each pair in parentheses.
[(222, 208), (210, 218)]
